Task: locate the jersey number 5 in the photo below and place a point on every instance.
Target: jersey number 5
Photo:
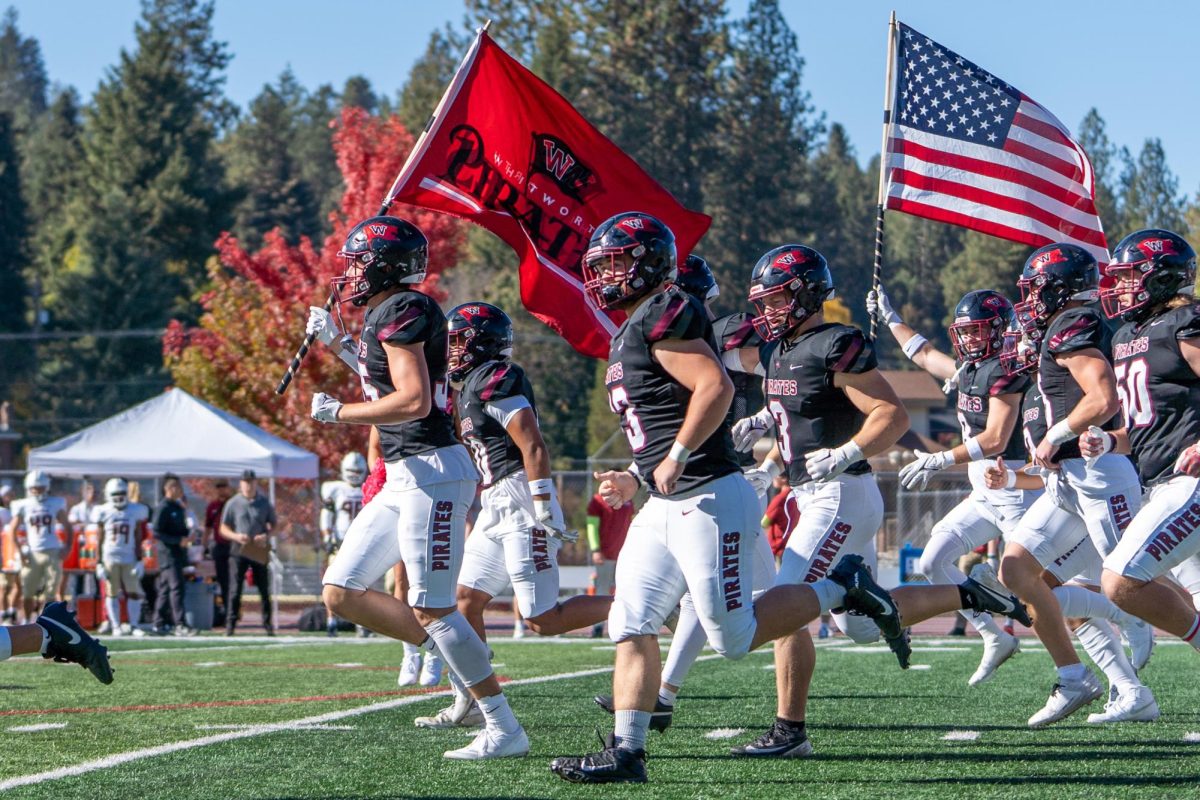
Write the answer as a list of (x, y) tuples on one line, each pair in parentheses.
[(618, 401), (1134, 390)]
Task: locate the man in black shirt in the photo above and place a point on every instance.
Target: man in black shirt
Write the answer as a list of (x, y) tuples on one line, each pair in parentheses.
[(171, 530)]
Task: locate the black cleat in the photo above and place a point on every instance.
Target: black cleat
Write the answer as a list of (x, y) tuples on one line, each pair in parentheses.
[(660, 717), (867, 598), (990, 595), (69, 642), (778, 742), (610, 765)]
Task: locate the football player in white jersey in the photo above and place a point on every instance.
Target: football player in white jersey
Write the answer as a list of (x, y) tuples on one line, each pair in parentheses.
[(41, 551), (122, 526)]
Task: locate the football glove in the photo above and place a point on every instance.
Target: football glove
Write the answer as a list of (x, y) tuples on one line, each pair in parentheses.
[(760, 478), (748, 430), (879, 304), (101, 572), (826, 464), (139, 569), (325, 408), (322, 325), (915, 476)]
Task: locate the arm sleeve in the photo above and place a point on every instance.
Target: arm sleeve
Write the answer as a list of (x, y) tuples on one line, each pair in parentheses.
[(593, 533), (504, 410), (851, 352)]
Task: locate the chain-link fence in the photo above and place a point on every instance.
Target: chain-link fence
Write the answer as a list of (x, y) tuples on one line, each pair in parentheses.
[(917, 512)]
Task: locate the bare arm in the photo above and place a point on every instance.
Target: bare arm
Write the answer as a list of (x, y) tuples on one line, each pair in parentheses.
[(886, 418), (232, 535), (1003, 411), (694, 366), (1094, 374), (525, 433), (928, 358), (412, 398)]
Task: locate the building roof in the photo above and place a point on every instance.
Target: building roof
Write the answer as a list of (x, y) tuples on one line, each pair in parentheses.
[(915, 386)]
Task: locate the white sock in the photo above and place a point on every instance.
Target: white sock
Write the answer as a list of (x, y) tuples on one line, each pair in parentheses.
[(411, 649), (667, 696), (686, 645), (460, 647), (498, 714), (631, 729), (1073, 673), (1102, 645), (1192, 637), (983, 622), (5, 644), (829, 594), (134, 606), (1079, 602), (113, 606)]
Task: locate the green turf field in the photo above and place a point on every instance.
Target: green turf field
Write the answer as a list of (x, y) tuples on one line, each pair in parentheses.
[(337, 726)]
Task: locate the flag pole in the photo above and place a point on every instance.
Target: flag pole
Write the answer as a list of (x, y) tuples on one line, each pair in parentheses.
[(883, 158)]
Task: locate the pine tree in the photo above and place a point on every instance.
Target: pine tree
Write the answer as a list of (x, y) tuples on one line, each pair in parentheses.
[(1151, 196), (844, 200), (357, 93), (13, 360), (428, 79), (23, 81), (1105, 158)]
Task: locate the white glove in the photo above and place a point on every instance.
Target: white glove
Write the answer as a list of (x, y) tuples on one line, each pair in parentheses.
[(549, 516), (826, 464), (139, 569), (915, 476), (321, 323), (878, 303), (1094, 443), (101, 572), (760, 478), (325, 408), (748, 430)]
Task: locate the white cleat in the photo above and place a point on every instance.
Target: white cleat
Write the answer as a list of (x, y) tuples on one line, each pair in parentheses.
[(116, 632), (431, 670), (1066, 699), (138, 633), (464, 712), (1140, 637), (410, 670), (1136, 706), (493, 743), (995, 652)]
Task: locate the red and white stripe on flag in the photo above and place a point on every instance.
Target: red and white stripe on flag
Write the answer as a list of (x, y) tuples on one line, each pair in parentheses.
[(507, 152), (968, 149)]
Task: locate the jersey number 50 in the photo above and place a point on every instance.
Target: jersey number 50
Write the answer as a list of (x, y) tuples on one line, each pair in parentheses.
[(1134, 390)]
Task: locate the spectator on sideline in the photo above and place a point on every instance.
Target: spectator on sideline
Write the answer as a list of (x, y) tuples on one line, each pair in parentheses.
[(217, 546), (775, 520), (171, 530), (10, 585), (80, 514), (606, 531), (248, 520)]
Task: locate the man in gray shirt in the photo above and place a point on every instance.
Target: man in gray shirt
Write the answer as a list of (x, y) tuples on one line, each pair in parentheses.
[(247, 522)]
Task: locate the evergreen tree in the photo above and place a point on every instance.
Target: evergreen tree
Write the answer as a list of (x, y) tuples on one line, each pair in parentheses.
[(1105, 158), (23, 81), (312, 144), (428, 79), (13, 361), (357, 93), (1151, 196), (844, 201)]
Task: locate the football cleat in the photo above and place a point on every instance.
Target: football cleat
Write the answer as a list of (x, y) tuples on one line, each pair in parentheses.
[(867, 598), (995, 652), (71, 643), (492, 743), (1139, 635), (1066, 699), (778, 742), (464, 712), (660, 717), (410, 670), (990, 595), (431, 671), (1134, 706), (610, 765)]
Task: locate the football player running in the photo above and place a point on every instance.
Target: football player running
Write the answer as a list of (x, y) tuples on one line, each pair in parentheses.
[(830, 409), (37, 514), (1150, 284), (122, 526), (1078, 389), (989, 402), (696, 532), (1074, 575), (419, 516)]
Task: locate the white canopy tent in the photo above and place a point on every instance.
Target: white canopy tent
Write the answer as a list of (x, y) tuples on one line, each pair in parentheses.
[(174, 432)]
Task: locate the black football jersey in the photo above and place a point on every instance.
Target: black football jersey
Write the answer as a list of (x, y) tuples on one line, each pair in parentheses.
[(1071, 331), (1160, 393), (407, 317), (496, 454), (651, 404), (734, 332), (977, 385), (810, 412), (1033, 419)]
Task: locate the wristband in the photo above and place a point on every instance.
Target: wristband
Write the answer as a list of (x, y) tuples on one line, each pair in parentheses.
[(679, 452), (541, 486), (633, 470), (1011, 479), (914, 345), (1060, 434), (852, 452), (974, 450), (541, 509)]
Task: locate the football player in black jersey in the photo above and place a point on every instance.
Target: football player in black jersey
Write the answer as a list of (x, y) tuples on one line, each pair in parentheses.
[(1150, 284), (989, 402), (1074, 574), (1078, 388), (419, 517), (830, 408), (696, 532)]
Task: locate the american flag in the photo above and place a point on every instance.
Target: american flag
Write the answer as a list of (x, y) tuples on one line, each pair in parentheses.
[(966, 148)]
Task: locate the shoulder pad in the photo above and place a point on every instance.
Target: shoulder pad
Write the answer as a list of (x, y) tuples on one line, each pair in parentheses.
[(673, 315), (406, 318), (847, 349), (496, 380), (1075, 329), (998, 382), (1187, 323), (736, 331)]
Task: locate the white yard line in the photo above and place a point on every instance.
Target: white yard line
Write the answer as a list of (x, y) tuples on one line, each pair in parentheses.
[(961, 736), (41, 726), (1192, 736), (724, 733), (243, 726)]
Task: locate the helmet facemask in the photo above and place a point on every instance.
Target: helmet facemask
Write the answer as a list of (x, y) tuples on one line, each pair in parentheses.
[(976, 339), (611, 275), (1021, 346)]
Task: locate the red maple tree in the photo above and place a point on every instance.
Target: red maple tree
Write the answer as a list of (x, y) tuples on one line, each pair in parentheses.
[(255, 310)]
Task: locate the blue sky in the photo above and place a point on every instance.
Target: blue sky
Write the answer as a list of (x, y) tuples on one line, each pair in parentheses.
[(1134, 62)]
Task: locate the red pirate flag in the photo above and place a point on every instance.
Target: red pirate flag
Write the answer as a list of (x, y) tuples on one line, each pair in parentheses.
[(507, 152)]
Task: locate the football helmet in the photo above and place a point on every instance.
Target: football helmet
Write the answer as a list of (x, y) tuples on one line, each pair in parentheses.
[(379, 253), (1148, 268), (980, 319), (629, 256), (1021, 348), (116, 492), (1053, 276), (37, 483), (354, 468), (695, 278), (795, 274), (478, 333)]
